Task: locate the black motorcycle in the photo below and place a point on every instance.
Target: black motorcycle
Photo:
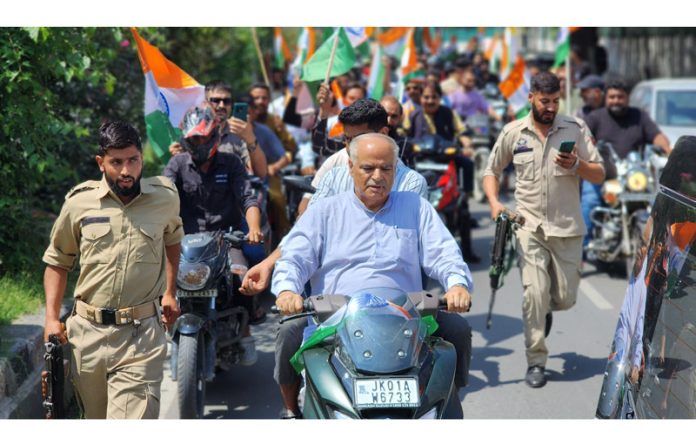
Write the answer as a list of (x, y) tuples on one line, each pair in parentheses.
[(373, 356), (208, 333)]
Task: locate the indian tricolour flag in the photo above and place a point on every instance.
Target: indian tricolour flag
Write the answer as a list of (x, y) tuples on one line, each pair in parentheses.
[(280, 49), (562, 46), (515, 83), (306, 45), (409, 68), (393, 40), (169, 93), (375, 85)]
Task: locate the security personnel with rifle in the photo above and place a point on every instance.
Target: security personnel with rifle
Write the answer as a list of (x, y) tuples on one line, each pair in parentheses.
[(550, 154), (126, 233)]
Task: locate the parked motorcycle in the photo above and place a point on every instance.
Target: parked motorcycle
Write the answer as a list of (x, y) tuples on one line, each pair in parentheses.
[(373, 356), (619, 223), (208, 333)]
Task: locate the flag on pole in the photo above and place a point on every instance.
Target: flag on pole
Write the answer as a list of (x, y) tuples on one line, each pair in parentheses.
[(169, 93), (515, 87), (306, 45), (375, 85), (562, 46), (409, 69), (280, 48), (393, 41), (358, 35), (316, 67), (432, 43)]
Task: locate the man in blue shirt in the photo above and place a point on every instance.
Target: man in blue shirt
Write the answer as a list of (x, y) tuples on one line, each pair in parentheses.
[(369, 237)]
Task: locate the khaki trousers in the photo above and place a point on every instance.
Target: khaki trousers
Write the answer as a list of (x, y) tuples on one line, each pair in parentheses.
[(117, 370), (550, 269)]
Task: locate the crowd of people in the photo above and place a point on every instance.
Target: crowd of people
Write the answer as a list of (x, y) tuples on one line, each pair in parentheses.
[(226, 172)]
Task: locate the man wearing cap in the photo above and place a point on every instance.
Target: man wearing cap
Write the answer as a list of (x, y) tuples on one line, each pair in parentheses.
[(592, 92), (126, 233)]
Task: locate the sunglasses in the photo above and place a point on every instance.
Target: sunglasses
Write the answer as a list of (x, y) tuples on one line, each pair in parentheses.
[(217, 100)]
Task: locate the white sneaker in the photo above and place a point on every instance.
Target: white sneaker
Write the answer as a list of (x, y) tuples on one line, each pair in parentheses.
[(249, 355)]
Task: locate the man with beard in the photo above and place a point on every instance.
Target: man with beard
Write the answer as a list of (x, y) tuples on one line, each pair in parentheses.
[(627, 128), (550, 241), (126, 233), (395, 115)]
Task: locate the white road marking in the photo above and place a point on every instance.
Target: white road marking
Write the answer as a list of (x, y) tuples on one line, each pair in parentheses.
[(595, 297)]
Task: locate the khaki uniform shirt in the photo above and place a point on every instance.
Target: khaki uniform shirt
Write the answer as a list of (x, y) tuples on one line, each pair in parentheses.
[(547, 195), (120, 247)]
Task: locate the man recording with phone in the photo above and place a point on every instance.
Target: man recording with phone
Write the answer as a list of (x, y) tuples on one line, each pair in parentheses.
[(550, 153), (237, 134)]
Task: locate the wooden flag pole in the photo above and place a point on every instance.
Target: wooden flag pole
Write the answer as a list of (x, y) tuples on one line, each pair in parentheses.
[(331, 59), (260, 56)]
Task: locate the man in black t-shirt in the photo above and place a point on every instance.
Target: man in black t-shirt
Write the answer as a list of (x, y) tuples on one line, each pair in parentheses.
[(626, 128)]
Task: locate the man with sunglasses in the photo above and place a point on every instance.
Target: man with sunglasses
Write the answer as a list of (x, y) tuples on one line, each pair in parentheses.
[(237, 136)]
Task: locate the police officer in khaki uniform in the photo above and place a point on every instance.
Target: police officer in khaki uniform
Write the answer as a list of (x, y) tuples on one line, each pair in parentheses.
[(548, 196), (126, 233)]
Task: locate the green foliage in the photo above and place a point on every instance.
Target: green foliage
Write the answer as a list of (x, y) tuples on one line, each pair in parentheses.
[(20, 294)]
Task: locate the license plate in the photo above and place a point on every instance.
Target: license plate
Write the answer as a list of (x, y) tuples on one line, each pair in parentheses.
[(199, 293), (387, 393)]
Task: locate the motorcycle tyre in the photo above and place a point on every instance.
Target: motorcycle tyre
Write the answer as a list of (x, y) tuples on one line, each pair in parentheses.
[(190, 376)]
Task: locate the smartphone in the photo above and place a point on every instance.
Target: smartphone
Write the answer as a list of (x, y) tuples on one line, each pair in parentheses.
[(240, 110), (566, 147)]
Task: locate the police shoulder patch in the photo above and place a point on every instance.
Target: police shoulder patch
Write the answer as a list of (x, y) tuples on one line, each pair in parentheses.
[(83, 187)]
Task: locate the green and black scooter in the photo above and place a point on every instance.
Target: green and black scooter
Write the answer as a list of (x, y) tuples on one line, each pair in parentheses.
[(373, 356)]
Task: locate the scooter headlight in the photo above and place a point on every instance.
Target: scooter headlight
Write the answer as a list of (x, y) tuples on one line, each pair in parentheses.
[(610, 192), (192, 276), (637, 181)]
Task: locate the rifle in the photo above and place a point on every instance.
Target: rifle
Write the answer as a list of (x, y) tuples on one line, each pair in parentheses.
[(502, 254), (53, 379)]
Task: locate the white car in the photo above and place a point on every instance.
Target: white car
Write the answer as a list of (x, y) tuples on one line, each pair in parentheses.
[(671, 103)]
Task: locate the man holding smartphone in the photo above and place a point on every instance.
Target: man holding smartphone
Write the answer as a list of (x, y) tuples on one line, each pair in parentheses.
[(550, 153)]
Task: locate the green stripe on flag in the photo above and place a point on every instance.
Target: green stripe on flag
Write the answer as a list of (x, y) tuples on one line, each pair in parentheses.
[(161, 134)]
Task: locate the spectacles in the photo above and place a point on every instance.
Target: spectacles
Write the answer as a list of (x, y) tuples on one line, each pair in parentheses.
[(217, 100)]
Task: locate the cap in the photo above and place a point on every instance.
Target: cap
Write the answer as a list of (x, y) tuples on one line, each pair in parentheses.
[(591, 81)]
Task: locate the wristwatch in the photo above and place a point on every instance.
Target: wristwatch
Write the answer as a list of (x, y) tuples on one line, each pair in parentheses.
[(251, 147)]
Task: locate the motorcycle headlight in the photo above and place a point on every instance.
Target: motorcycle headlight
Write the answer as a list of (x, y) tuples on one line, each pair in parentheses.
[(432, 414), (637, 181), (192, 276), (610, 192), (449, 151), (416, 148)]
